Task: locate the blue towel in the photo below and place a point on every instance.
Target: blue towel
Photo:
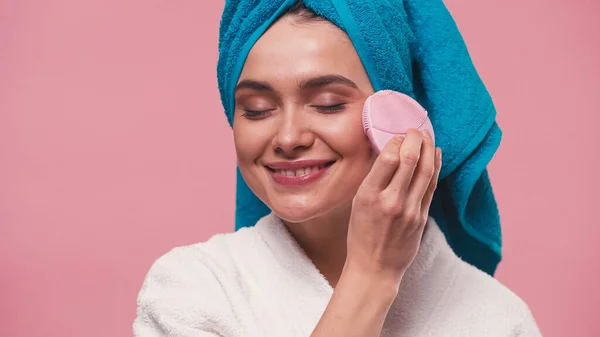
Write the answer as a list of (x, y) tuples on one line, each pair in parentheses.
[(414, 47)]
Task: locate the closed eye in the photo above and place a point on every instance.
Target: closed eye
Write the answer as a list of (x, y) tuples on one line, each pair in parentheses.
[(256, 114), (331, 108)]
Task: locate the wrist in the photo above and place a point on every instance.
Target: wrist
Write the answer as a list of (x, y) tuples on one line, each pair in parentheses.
[(379, 284), (359, 305), (366, 269)]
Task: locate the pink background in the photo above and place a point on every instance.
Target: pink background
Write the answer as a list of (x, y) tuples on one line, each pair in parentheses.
[(114, 149)]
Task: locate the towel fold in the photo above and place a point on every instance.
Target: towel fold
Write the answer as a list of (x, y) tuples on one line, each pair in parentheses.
[(414, 47)]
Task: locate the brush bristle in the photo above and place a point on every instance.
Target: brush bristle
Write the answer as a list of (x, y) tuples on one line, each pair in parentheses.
[(366, 122)]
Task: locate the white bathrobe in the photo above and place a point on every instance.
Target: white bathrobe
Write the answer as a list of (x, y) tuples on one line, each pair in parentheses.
[(258, 282)]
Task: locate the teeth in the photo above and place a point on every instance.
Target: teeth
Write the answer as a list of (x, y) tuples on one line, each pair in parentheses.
[(299, 172)]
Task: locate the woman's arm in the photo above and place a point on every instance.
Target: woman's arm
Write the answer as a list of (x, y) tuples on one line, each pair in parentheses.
[(388, 217), (359, 304)]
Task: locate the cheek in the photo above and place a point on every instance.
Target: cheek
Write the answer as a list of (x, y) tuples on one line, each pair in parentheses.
[(249, 145), (248, 141), (347, 138), (346, 135)]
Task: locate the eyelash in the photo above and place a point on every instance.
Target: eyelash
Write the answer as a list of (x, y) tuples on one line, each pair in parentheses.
[(255, 113), (331, 108), (326, 109)]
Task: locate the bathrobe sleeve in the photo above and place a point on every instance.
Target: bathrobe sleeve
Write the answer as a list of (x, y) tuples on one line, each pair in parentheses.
[(181, 296), (528, 326)]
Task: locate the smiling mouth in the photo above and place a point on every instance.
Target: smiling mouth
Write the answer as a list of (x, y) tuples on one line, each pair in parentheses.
[(302, 171)]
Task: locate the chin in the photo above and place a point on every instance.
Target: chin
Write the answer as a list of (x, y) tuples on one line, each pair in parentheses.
[(295, 215), (297, 212)]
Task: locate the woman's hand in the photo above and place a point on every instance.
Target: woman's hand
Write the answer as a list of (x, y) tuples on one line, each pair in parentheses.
[(391, 207), (388, 216)]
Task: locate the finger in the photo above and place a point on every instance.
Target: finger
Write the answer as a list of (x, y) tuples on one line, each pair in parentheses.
[(410, 153), (428, 197), (423, 173), (385, 165)]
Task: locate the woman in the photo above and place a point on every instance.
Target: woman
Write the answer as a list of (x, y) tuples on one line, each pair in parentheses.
[(348, 247)]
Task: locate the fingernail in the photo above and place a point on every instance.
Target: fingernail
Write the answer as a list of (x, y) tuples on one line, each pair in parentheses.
[(400, 137), (426, 133)]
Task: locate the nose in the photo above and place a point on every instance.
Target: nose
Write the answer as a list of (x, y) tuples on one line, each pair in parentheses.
[(294, 134)]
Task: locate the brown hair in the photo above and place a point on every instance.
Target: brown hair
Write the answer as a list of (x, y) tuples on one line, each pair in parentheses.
[(302, 13)]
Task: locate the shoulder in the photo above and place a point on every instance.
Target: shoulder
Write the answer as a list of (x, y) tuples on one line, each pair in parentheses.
[(482, 299), (470, 278), (201, 262), (185, 289)]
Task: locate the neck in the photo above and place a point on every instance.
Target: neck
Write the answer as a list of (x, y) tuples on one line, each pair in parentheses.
[(323, 240)]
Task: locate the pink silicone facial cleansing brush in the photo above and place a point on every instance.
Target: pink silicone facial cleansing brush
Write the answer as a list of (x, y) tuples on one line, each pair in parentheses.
[(387, 113)]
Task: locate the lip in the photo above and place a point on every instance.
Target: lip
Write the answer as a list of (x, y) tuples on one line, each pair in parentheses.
[(294, 165)]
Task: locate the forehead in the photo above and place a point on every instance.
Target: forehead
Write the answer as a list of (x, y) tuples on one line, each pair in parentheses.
[(290, 50)]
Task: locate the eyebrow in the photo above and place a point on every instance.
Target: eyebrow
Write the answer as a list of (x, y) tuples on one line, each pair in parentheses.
[(311, 83)]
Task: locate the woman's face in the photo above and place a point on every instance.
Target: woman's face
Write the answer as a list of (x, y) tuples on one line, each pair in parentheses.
[(297, 124)]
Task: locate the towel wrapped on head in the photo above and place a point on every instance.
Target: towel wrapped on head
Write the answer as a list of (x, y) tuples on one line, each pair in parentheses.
[(414, 47)]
